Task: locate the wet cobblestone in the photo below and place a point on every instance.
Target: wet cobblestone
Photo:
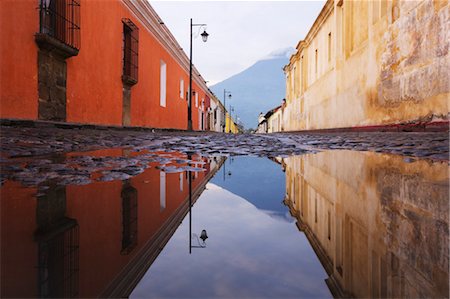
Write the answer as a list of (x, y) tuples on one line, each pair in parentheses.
[(34, 156)]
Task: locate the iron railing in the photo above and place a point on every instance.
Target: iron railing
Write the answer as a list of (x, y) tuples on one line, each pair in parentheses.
[(130, 51), (59, 265), (129, 218), (60, 19)]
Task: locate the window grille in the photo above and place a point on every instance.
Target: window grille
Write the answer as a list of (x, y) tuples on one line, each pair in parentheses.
[(59, 264), (129, 218), (60, 19), (130, 52)]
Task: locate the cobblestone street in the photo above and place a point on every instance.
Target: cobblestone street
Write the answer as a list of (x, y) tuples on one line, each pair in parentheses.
[(30, 142), (36, 155)]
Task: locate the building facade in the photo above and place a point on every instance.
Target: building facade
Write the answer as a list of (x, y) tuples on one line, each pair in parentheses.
[(371, 63), (95, 62), (216, 113)]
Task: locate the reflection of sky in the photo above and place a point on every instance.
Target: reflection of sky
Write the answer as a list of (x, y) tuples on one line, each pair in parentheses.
[(248, 254), (257, 180)]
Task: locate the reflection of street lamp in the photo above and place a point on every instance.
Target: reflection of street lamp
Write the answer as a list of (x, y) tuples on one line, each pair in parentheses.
[(203, 234), (225, 93), (204, 38)]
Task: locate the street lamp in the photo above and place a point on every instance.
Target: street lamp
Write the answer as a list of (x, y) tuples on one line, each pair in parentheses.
[(204, 38), (225, 93)]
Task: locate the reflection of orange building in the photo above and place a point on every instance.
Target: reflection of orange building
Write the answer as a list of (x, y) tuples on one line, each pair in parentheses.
[(110, 63), (91, 240), (378, 225)]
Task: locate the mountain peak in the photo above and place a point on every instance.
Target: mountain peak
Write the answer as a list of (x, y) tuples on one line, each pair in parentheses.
[(279, 53), (258, 88)]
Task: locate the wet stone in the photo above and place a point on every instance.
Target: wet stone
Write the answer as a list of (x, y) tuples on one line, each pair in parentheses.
[(43, 150)]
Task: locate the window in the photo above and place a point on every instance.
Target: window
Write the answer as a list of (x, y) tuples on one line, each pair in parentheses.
[(315, 208), (302, 79), (162, 190), (58, 261), (163, 82), (316, 62), (181, 182), (329, 225), (181, 88), (329, 47), (196, 99), (129, 217), (60, 19), (130, 52), (293, 78)]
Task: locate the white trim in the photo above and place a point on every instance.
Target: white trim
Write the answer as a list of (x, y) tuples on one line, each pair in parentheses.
[(162, 190), (181, 88), (163, 84)]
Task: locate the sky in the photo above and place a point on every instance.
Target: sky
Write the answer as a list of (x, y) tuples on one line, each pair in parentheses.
[(240, 32)]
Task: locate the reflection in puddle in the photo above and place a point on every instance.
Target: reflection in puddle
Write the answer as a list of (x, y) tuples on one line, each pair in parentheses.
[(249, 252), (91, 225), (96, 239), (379, 225)]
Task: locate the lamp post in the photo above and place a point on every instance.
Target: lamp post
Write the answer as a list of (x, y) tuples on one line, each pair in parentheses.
[(204, 38), (225, 93)]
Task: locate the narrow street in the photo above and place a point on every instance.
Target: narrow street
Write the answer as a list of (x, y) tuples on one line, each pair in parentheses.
[(224, 149)]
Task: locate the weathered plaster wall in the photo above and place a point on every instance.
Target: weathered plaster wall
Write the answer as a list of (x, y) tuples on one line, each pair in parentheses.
[(93, 86), (19, 20), (388, 65)]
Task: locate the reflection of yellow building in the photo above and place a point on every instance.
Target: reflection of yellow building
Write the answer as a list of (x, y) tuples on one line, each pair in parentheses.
[(366, 63), (378, 225)]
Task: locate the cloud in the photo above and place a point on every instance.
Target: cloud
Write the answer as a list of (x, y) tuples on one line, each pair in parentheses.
[(241, 32)]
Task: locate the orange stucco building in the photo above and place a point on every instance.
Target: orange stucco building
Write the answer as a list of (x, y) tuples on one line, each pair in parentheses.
[(95, 62)]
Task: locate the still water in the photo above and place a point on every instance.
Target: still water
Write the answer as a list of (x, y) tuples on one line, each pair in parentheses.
[(335, 223)]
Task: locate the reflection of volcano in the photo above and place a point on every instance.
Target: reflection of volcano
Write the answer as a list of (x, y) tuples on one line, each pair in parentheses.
[(258, 180)]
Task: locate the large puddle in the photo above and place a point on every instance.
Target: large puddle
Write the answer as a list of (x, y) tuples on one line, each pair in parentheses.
[(330, 224)]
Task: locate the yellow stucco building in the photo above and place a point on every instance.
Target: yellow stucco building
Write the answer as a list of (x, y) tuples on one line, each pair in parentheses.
[(230, 125), (371, 63)]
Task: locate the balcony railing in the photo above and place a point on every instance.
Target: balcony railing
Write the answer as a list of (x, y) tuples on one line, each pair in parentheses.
[(60, 19)]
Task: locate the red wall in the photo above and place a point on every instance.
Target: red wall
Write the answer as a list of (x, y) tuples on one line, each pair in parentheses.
[(94, 85), (19, 21), (18, 251)]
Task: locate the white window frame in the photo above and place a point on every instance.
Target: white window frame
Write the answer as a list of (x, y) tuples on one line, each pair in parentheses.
[(162, 190), (163, 84), (181, 181), (196, 99), (181, 89)]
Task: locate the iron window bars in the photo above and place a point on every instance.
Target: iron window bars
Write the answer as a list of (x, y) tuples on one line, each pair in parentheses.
[(60, 19), (130, 52), (58, 266), (129, 218)]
